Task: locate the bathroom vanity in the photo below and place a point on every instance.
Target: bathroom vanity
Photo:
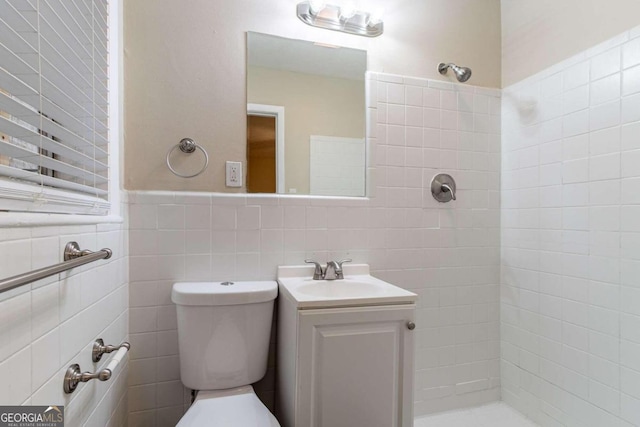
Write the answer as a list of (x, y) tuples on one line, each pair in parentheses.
[(345, 350)]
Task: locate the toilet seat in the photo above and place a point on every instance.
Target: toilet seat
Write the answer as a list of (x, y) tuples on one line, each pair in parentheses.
[(237, 407)]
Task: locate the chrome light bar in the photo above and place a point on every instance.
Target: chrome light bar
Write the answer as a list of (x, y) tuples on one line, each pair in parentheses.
[(332, 17)]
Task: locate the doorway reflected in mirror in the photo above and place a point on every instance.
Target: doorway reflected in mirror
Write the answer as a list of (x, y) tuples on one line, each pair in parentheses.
[(261, 154)]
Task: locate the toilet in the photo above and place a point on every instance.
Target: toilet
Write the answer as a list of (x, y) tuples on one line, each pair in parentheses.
[(224, 330)]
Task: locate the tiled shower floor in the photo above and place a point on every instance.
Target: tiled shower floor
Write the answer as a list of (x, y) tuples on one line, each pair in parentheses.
[(497, 414)]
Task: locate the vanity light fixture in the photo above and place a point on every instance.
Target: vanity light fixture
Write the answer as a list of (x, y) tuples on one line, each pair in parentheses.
[(346, 18), (316, 6), (375, 17), (347, 11)]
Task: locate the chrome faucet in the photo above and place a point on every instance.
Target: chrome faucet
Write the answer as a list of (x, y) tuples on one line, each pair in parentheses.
[(332, 271)]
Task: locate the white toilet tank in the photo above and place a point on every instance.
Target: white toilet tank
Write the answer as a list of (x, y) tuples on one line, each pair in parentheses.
[(224, 330)]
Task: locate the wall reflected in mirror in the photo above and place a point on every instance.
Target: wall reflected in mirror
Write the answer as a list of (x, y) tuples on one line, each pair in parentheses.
[(305, 117)]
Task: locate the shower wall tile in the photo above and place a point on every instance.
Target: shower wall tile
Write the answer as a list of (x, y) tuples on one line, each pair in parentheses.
[(447, 253), (49, 324), (569, 241)]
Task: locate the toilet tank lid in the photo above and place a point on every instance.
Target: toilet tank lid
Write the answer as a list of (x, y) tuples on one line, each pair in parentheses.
[(223, 293)]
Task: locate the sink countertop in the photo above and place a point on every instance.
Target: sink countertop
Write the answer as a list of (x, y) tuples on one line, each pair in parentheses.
[(358, 288)]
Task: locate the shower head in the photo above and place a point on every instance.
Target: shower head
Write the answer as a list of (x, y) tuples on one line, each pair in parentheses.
[(462, 73)]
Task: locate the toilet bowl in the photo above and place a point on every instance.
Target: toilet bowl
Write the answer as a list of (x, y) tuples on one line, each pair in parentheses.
[(224, 329), (237, 407)]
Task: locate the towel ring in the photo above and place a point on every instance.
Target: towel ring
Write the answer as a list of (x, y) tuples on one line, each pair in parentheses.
[(187, 146)]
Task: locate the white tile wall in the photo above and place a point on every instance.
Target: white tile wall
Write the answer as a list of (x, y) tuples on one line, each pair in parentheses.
[(570, 302), (52, 323), (447, 253), (337, 166)]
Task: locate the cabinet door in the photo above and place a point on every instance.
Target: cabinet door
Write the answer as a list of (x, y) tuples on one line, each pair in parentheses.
[(355, 367)]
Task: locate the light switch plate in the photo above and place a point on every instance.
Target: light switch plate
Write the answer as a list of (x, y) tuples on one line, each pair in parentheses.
[(234, 174)]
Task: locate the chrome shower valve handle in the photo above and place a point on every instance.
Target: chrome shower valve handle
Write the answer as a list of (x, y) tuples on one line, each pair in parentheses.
[(446, 187), (443, 188)]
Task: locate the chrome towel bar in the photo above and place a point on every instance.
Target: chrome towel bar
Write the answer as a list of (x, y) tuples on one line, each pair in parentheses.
[(73, 257), (75, 376)]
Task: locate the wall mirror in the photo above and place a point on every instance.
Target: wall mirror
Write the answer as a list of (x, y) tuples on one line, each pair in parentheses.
[(305, 117)]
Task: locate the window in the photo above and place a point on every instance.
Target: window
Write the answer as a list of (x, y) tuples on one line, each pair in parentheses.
[(54, 123)]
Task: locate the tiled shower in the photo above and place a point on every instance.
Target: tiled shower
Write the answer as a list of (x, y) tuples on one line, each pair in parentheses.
[(569, 295)]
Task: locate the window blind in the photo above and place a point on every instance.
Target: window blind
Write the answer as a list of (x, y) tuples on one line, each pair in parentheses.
[(54, 124)]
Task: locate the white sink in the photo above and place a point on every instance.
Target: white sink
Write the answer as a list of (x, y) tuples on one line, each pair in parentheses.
[(344, 288), (358, 288)]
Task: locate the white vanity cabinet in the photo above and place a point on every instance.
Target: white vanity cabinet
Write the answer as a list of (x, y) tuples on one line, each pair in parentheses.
[(345, 366)]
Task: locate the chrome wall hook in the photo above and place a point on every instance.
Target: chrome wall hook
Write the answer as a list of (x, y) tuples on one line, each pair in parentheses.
[(443, 188)]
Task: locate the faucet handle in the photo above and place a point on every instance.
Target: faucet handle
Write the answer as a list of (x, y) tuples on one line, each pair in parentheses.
[(447, 188), (317, 273), (338, 267), (343, 261)]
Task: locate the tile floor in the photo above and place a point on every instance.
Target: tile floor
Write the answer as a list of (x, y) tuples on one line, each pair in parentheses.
[(497, 414)]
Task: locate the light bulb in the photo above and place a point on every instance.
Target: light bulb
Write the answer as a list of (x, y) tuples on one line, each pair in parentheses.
[(375, 17), (347, 11), (316, 6)]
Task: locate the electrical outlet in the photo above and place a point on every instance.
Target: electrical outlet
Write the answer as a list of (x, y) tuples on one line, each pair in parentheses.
[(234, 174)]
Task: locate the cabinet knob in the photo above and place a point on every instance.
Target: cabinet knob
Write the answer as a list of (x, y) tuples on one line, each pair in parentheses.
[(411, 326)]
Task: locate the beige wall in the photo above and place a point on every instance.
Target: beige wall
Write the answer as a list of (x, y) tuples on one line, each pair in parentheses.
[(337, 110), (185, 69), (537, 34)]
